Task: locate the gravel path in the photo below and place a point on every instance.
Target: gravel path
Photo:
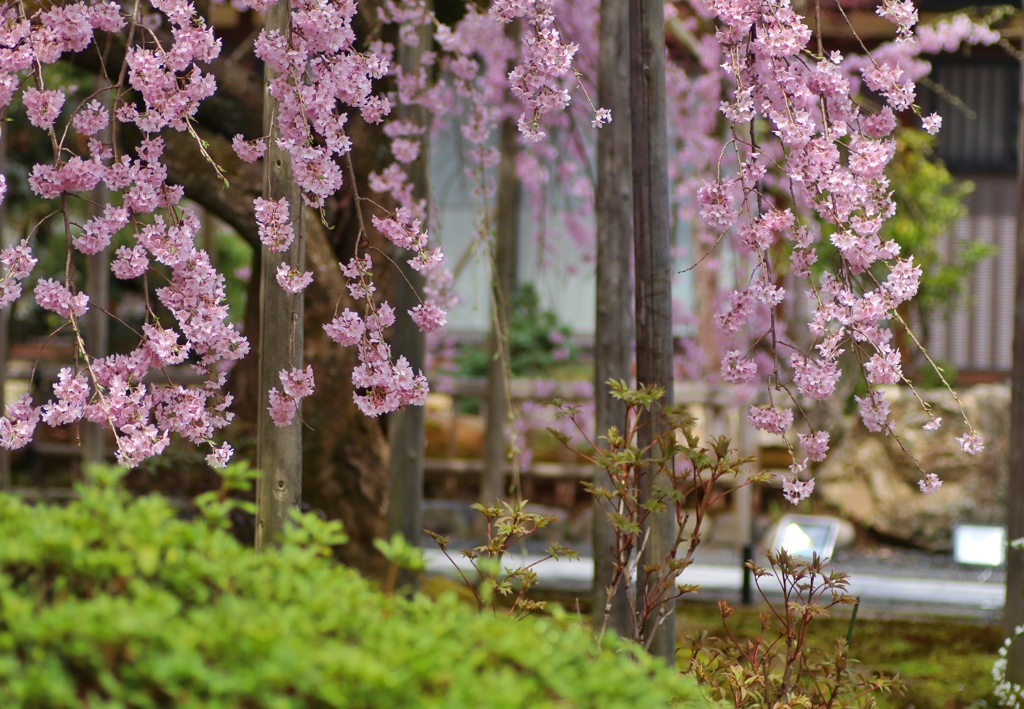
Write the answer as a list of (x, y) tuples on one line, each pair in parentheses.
[(881, 560)]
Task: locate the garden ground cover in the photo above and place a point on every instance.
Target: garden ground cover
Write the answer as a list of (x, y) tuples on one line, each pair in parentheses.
[(946, 663)]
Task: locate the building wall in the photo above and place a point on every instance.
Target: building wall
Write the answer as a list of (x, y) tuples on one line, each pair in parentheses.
[(550, 257), (979, 100), (977, 336)]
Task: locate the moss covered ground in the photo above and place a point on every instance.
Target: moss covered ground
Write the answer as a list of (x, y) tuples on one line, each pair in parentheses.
[(946, 663)]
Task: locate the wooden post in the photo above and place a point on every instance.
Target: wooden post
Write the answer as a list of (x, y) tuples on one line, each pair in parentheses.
[(5, 321), (208, 234), (1014, 610), (743, 498), (279, 450), (652, 257), (504, 258), (97, 326), (406, 428), (613, 333)]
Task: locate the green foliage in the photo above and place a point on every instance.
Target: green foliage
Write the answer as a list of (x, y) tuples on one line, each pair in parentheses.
[(216, 505), (117, 602), (667, 471), (507, 526), (534, 338)]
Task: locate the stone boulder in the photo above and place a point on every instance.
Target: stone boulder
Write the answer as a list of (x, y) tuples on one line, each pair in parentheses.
[(869, 478)]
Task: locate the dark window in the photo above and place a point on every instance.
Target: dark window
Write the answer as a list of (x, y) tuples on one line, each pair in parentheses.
[(945, 5), (980, 134)]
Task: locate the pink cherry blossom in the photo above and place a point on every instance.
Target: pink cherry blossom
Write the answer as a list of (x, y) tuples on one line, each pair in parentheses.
[(220, 456), (292, 280), (297, 383), (72, 392), (971, 443), (52, 295), (428, 316), (129, 263), (282, 408), (815, 444), (91, 119), (249, 151), (347, 329), (796, 491), (18, 426), (273, 225), (929, 483), (99, 230), (770, 419), (737, 369), (874, 411), (18, 262), (43, 107)]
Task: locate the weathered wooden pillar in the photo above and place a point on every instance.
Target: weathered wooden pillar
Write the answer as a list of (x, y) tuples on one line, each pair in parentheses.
[(279, 449), (613, 324), (97, 325), (504, 262), (406, 428), (1014, 609), (653, 276), (5, 320)]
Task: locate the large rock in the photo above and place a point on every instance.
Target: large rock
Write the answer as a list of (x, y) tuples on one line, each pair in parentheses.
[(871, 480)]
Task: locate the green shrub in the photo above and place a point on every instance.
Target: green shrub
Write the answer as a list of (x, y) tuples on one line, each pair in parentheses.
[(535, 337), (113, 602)]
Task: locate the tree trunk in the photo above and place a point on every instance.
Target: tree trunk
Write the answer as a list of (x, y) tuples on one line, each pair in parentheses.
[(345, 454), (614, 331), (1014, 611), (653, 278)]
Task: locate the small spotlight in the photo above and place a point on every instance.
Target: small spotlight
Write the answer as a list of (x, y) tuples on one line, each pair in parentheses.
[(804, 535), (980, 545)]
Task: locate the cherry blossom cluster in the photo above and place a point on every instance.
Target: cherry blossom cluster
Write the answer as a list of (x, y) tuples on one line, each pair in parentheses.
[(18, 263), (318, 68), (405, 231), (272, 224), (536, 80), (170, 81), (903, 13), (827, 158), (296, 384), (319, 73), (382, 384), (162, 68), (805, 154)]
